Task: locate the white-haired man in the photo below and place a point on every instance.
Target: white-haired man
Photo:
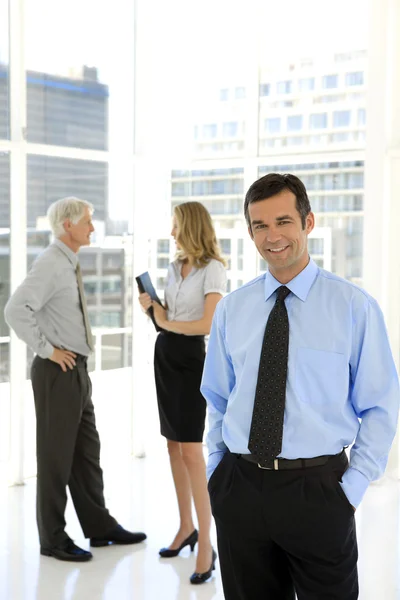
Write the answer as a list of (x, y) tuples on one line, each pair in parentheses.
[(48, 311)]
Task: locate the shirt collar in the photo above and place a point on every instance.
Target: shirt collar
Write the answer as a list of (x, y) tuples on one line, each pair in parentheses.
[(72, 257), (299, 285)]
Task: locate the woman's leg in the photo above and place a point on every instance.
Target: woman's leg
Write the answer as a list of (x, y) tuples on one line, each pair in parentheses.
[(192, 454), (183, 493)]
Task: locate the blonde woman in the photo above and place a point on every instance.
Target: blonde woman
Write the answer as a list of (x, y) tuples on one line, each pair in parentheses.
[(195, 284)]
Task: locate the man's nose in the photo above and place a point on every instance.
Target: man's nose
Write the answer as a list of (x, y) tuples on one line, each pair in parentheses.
[(273, 235)]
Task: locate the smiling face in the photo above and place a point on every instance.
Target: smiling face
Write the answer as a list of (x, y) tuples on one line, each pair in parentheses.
[(276, 230)]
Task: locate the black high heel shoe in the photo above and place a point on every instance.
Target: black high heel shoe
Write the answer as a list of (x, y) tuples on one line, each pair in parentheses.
[(202, 577), (190, 541)]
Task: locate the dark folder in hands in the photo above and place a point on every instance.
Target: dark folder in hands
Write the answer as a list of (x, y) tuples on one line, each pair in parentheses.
[(146, 286)]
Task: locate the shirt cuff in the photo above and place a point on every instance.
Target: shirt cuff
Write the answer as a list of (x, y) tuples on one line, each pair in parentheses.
[(213, 461), (354, 485), (47, 351)]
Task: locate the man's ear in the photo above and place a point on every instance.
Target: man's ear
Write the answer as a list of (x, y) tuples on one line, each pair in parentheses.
[(67, 225), (310, 222)]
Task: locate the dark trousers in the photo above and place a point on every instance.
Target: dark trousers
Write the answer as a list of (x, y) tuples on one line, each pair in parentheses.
[(68, 452), (284, 532)]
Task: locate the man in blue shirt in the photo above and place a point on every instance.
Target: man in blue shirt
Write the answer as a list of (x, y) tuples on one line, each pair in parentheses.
[(298, 367)]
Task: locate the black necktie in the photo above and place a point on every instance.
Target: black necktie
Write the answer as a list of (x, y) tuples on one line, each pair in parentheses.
[(266, 430)]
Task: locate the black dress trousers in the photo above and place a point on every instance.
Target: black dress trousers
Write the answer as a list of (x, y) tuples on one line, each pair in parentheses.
[(282, 533), (68, 452)]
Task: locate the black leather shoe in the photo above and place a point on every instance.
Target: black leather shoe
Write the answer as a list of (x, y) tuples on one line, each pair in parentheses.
[(118, 535), (67, 551), (191, 541), (197, 578)]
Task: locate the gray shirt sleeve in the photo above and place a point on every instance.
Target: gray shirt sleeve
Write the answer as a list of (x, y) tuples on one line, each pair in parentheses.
[(33, 293)]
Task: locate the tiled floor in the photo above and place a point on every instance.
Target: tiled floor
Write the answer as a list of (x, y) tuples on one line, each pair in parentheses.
[(139, 493)]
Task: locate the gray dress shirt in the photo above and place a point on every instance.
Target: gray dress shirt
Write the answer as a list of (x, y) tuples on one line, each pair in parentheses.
[(45, 311)]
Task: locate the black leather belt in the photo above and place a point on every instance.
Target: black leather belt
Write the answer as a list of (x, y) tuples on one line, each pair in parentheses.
[(298, 463)]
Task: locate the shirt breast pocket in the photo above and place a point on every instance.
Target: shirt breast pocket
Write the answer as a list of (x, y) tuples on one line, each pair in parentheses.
[(321, 376)]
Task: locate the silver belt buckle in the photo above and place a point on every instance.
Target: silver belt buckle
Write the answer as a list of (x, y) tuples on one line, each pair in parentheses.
[(274, 468)]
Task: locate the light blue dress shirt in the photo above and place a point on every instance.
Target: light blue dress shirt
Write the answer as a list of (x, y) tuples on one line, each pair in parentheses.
[(342, 383)]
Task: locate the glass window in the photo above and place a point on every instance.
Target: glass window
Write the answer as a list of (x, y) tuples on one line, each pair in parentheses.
[(50, 178), (67, 111), (4, 264), (240, 93), (341, 137), (180, 188), (318, 121), (230, 129), (161, 284), (355, 78), (224, 94), (284, 87), (162, 246), (294, 122), (4, 295), (341, 118), (272, 125), (265, 89), (210, 131), (295, 141), (162, 262), (4, 73), (330, 81), (362, 116), (306, 84), (225, 246)]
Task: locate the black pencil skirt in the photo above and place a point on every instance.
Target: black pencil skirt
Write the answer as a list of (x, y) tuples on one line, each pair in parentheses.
[(178, 368)]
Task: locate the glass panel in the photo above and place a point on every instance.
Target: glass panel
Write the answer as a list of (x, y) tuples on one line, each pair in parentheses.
[(4, 294), (67, 90), (4, 72), (330, 81)]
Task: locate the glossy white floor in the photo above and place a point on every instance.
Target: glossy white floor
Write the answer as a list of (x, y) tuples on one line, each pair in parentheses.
[(140, 495)]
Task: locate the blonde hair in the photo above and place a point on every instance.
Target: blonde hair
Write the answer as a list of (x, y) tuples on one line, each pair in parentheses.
[(196, 234), (67, 208)]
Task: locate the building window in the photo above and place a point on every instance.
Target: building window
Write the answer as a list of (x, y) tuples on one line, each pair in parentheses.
[(306, 84), (272, 125), (362, 116), (330, 81), (210, 131), (225, 246), (161, 283), (230, 129), (341, 118), (284, 87), (295, 141), (224, 94), (295, 123), (162, 262), (356, 78), (265, 89), (240, 93), (318, 121), (340, 137), (356, 181), (162, 246)]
